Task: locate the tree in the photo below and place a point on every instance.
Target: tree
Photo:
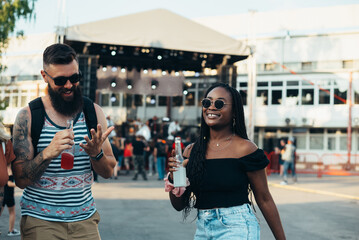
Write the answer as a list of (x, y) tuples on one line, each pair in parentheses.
[(10, 12)]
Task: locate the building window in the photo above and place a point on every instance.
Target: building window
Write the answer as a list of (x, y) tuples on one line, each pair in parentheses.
[(356, 98), (348, 64), (151, 101), (127, 100), (292, 97), (243, 94), (276, 97), (307, 65), (307, 96), (262, 84), (301, 141), (23, 98), (138, 100), (162, 101), (331, 143), (324, 96), (269, 67), (343, 143), (115, 99), (262, 97), (105, 99), (316, 142), (177, 101), (189, 99), (340, 97), (276, 84)]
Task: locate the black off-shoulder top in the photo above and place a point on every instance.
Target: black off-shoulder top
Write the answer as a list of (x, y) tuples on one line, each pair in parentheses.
[(225, 182)]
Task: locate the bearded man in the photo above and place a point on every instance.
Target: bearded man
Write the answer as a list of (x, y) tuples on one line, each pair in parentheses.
[(57, 203)]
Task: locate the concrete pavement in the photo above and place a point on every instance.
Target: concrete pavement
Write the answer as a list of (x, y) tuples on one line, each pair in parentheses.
[(314, 208)]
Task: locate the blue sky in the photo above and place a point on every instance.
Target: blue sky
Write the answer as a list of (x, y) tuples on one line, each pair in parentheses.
[(82, 11)]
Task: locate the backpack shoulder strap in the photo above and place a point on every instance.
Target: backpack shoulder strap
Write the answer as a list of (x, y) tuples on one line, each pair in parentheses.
[(37, 120), (90, 114)]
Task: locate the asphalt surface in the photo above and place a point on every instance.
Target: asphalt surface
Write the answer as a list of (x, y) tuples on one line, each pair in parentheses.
[(314, 208)]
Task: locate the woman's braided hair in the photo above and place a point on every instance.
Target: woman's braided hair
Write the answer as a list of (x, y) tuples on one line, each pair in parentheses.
[(195, 166)]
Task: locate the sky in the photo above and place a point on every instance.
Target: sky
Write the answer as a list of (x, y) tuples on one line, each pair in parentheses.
[(48, 12)]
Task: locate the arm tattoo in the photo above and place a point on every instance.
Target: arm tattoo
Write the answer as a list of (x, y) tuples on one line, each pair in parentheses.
[(31, 168)]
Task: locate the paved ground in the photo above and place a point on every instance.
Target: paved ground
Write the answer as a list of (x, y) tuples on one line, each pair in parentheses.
[(314, 208)]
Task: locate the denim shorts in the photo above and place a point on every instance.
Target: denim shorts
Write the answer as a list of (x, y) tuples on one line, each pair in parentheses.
[(237, 222)]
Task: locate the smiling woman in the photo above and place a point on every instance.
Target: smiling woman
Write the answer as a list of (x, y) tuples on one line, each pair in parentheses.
[(223, 166)]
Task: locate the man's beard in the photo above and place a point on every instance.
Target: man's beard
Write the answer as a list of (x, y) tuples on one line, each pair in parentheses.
[(67, 108)]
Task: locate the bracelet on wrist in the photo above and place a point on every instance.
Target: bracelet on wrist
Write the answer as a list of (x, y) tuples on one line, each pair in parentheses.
[(98, 156)]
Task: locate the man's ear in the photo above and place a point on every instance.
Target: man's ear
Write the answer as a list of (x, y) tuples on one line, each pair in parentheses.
[(43, 74)]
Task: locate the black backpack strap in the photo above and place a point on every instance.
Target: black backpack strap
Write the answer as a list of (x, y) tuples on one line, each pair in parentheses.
[(37, 120), (90, 114)]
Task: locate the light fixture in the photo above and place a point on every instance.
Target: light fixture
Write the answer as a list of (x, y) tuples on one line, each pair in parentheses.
[(113, 97), (129, 83), (104, 69), (185, 89), (145, 71), (159, 57), (123, 69), (113, 53), (164, 72), (154, 84), (113, 83), (114, 69)]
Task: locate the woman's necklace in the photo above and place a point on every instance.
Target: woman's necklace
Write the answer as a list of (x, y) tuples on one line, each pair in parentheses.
[(218, 144)]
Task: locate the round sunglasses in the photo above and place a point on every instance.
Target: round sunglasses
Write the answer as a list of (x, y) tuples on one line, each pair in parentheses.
[(219, 104), (61, 80)]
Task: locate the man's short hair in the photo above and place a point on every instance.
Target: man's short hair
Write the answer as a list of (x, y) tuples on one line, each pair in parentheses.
[(59, 54)]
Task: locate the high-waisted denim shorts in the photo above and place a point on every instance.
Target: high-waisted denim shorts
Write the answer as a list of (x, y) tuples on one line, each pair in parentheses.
[(237, 222)]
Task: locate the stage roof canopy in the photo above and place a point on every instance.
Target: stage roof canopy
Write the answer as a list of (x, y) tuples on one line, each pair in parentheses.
[(155, 38)]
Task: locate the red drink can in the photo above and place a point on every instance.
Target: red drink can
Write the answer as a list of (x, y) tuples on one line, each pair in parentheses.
[(67, 160)]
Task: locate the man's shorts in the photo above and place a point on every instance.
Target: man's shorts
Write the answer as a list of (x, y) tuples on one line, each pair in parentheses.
[(37, 229), (9, 199)]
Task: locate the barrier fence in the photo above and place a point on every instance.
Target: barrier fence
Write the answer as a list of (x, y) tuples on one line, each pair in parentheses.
[(324, 164)]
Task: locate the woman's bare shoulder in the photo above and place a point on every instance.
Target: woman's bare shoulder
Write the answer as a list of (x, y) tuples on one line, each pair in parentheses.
[(245, 146)]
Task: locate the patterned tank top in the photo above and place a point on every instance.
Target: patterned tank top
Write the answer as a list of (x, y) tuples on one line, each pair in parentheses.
[(61, 195)]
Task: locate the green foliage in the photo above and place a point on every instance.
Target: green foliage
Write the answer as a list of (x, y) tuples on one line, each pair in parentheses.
[(10, 12)]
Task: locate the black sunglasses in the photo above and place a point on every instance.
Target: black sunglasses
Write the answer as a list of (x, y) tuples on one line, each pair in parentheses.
[(61, 80), (219, 104)]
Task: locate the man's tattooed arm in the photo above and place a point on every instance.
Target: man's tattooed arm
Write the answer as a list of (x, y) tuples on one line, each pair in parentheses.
[(26, 169)]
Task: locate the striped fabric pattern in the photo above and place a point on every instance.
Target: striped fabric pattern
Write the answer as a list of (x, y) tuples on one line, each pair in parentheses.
[(62, 195)]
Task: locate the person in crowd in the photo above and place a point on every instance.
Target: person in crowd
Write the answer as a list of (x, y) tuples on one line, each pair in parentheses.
[(56, 200), (160, 155), (9, 201), (116, 153), (120, 144), (152, 168), (281, 147), (110, 123), (288, 157), (222, 167), (173, 128), (7, 156), (139, 148), (127, 155)]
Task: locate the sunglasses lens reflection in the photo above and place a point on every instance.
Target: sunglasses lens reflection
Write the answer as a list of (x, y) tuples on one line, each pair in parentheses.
[(219, 104), (206, 103), (60, 81)]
